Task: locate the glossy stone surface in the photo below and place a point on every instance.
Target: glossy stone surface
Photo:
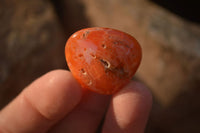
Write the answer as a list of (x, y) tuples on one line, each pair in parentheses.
[(102, 59)]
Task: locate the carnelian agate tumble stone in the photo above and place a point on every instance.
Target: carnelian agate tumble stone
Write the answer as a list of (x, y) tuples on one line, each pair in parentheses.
[(102, 59)]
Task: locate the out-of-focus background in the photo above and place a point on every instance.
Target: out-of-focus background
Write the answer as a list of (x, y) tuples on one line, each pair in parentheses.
[(33, 35)]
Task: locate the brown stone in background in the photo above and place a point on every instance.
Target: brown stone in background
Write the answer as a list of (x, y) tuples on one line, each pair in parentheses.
[(31, 43), (171, 58)]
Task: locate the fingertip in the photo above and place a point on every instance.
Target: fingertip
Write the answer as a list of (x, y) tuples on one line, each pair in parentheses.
[(129, 109), (140, 90), (54, 94)]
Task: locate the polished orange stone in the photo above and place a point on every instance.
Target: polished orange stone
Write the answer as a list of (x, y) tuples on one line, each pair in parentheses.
[(102, 59)]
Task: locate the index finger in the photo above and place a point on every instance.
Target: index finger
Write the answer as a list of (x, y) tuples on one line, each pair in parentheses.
[(41, 104)]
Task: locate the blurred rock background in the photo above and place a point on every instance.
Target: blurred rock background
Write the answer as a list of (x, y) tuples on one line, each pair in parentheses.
[(33, 35)]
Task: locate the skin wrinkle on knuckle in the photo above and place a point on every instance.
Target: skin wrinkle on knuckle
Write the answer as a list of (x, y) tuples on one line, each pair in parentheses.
[(44, 113), (53, 101), (26, 99)]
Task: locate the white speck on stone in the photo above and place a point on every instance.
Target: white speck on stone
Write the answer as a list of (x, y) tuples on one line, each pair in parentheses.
[(89, 83), (74, 35), (91, 48)]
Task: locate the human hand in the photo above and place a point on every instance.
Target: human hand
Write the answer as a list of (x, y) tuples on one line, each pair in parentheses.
[(55, 103)]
